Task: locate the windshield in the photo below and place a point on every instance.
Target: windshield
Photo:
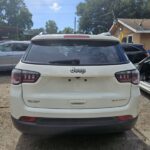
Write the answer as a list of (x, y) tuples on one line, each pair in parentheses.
[(75, 53)]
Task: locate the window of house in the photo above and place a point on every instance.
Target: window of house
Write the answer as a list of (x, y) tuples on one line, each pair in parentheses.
[(130, 39)]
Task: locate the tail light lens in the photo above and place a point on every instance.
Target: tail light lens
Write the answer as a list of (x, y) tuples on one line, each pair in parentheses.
[(131, 76), (23, 76), (16, 77)]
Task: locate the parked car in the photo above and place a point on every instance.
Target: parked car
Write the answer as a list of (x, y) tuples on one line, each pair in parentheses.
[(135, 52), (10, 53), (148, 52), (144, 68), (74, 83)]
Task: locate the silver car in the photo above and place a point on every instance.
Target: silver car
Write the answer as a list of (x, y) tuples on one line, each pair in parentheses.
[(10, 53)]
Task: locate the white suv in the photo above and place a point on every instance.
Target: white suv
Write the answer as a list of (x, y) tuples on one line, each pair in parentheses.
[(74, 83)]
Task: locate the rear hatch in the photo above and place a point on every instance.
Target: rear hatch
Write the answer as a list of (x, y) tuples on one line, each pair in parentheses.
[(75, 74)]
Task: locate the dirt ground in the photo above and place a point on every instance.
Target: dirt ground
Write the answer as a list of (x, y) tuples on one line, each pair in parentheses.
[(11, 139)]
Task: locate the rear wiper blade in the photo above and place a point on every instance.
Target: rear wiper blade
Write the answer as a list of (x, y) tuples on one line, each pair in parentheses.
[(66, 62)]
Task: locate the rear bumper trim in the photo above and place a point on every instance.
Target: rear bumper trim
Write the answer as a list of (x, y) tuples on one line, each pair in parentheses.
[(88, 125)]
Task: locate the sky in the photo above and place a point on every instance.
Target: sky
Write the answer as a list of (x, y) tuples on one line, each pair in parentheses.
[(61, 11)]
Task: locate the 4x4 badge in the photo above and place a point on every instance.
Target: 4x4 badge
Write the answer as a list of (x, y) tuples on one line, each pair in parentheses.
[(74, 70)]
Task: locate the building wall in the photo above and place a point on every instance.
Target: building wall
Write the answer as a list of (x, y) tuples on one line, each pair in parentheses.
[(121, 32), (145, 40), (137, 38)]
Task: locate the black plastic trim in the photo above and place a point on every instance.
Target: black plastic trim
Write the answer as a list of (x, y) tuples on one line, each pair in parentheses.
[(48, 126)]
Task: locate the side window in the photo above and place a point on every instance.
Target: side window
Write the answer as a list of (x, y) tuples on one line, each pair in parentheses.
[(127, 49), (1, 48), (19, 47), (5, 48), (130, 39), (131, 49)]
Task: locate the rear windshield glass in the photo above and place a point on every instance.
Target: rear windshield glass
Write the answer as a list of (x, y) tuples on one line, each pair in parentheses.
[(74, 52)]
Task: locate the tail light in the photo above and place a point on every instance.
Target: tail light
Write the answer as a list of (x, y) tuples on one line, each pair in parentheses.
[(131, 76), (23, 76)]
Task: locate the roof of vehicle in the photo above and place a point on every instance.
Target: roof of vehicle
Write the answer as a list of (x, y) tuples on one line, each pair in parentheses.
[(130, 44), (10, 42), (74, 36)]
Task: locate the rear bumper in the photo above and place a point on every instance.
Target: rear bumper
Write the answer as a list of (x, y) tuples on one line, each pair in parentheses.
[(78, 126)]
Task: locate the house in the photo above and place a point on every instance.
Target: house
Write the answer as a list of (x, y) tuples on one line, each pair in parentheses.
[(132, 31)]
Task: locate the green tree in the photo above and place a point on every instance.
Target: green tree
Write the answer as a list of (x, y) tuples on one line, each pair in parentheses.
[(35, 32), (98, 15), (28, 34), (67, 30), (51, 27), (14, 15), (60, 32)]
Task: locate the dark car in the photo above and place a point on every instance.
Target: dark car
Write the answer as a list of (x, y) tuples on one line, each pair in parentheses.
[(144, 69), (148, 52), (135, 52)]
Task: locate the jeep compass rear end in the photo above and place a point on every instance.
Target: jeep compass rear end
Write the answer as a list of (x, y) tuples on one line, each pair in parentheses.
[(74, 83)]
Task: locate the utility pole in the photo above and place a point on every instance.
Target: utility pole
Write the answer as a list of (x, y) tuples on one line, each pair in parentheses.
[(114, 16), (75, 25)]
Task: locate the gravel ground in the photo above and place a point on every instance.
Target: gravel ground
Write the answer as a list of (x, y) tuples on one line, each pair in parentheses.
[(11, 139)]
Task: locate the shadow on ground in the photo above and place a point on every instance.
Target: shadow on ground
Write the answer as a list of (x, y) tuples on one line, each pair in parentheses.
[(5, 73), (126, 141), (5, 77)]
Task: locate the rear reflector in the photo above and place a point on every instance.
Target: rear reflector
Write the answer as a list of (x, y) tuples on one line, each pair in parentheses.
[(125, 118), (131, 76), (76, 37), (28, 119), (22, 76)]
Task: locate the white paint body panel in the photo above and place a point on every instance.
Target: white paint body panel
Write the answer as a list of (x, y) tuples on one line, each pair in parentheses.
[(102, 95), (54, 96), (18, 108), (53, 90)]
